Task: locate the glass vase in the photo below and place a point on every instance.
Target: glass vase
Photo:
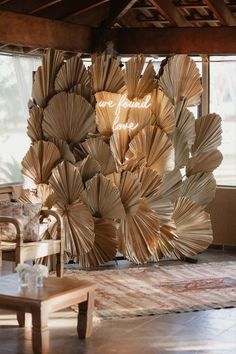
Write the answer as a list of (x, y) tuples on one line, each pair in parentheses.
[(39, 281), (23, 279)]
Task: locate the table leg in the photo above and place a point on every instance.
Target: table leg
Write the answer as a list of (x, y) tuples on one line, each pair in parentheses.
[(40, 333), (85, 317), (24, 319)]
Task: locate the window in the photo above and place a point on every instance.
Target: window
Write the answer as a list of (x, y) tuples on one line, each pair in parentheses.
[(15, 91)]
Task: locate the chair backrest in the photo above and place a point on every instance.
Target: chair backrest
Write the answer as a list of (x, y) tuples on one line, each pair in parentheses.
[(10, 191)]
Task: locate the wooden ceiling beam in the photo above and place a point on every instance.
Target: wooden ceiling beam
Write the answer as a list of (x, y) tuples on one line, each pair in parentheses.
[(118, 9), (35, 32), (169, 11), (222, 12), (173, 40)]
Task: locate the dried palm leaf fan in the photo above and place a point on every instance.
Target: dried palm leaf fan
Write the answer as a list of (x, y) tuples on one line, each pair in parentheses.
[(138, 235), (88, 168), (185, 122), (85, 92), (43, 85), (150, 185), (181, 149), (101, 152), (135, 164), (103, 198), (200, 188), (163, 209), (46, 195), (71, 73), (208, 133), (130, 190), (63, 147), (139, 118), (193, 228), (163, 111), (67, 183), (79, 229), (69, 117), (165, 243), (181, 80), (119, 144), (28, 196), (106, 74), (39, 161), (105, 246), (34, 128), (156, 147), (171, 184), (138, 82), (204, 162)]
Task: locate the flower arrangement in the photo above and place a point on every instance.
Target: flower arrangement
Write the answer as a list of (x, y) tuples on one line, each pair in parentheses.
[(20, 268), (23, 271), (40, 270)]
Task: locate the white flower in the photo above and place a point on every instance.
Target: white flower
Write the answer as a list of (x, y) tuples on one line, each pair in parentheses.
[(22, 268), (40, 269)]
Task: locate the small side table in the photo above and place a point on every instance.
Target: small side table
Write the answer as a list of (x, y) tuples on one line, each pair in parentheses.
[(57, 294)]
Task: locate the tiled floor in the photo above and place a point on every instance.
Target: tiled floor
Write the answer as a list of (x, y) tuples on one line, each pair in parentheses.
[(208, 332)]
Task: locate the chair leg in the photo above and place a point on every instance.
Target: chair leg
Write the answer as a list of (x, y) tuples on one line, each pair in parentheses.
[(60, 265)]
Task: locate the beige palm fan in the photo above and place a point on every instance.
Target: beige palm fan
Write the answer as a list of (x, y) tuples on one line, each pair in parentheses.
[(103, 198), (163, 208), (208, 133), (138, 119), (85, 92), (185, 122), (138, 234), (150, 185), (69, 117), (181, 80), (72, 72), (193, 228), (181, 148), (130, 190), (101, 152), (39, 161), (163, 111), (119, 144), (171, 184), (139, 82), (200, 188), (105, 246), (67, 183), (46, 195), (63, 147), (43, 85), (106, 74), (28, 196), (79, 229), (34, 128), (204, 162), (88, 168), (134, 164), (165, 243), (156, 147)]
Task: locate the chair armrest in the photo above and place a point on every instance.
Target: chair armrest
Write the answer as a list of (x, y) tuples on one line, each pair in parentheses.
[(47, 212), (18, 226)]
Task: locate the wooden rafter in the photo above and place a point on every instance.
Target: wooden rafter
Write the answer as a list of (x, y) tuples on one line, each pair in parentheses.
[(170, 12), (222, 12), (117, 10), (43, 6)]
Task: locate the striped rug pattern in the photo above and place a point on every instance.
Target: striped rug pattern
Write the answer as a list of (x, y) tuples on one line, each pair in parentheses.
[(162, 289)]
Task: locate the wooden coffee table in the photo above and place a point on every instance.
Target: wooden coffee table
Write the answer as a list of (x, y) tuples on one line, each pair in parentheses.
[(57, 294)]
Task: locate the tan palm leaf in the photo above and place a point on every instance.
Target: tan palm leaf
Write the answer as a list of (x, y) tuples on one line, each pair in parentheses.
[(39, 161), (163, 208), (34, 128), (28, 196), (46, 195), (181, 80), (88, 168), (208, 133), (204, 162), (165, 243), (134, 164), (171, 184), (106, 74), (43, 85), (150, 185), (139, 118), (67, 183), (63, 147), (138, 82), (85, 92), (138, 235), (181, 149), (119, 144), (79, 229), (200, 188), (130, 190), (163, 111), (185, 122), (72, 72), (156, 146), (69, 117), (103, 198), (105, 246), (193, 228), (101, 152)]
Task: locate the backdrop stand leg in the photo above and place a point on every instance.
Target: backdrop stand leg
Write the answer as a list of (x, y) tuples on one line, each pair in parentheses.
[(188, 259)]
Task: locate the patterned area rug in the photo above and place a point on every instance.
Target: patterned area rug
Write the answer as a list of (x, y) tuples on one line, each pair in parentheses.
[(162, 289)]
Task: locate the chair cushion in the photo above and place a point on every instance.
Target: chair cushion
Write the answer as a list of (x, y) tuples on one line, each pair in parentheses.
[(28, 215)]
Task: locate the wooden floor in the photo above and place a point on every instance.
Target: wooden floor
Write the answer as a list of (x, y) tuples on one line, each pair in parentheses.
[(208, 332)]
